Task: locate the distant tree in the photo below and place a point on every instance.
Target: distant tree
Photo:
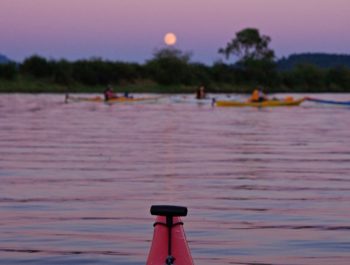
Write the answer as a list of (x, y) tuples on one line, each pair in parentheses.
[(172, 53), (259, 72), (93, 72), (36, 66), (200, 74), (338, 78), (305, 78), (170, 66), (255, 58), (8, 71), (249, 45), (321, 60), (62, 72), (83, 73), (129, 72), (224, 73)]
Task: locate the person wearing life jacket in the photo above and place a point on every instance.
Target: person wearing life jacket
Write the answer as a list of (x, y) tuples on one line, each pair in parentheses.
[(258, 96), (109, 94), (200, 93)]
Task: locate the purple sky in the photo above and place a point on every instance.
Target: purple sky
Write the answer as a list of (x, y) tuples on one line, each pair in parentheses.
[(130, 30)]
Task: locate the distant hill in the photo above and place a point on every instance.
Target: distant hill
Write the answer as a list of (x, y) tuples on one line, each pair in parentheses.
[(4, 59), (322, 60)]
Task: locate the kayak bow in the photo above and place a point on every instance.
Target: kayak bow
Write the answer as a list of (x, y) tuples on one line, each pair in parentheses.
[(169, 245)]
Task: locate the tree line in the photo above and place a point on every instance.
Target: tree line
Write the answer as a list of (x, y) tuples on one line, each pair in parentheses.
[(321, 60), (255, 65)]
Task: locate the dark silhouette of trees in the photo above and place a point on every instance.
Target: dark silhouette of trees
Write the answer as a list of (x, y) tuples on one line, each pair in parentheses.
[(338, 78), (36, 66), (8, 71), (62, 72), (169, 66), (249, 45), (321, 60), (255, 58), (255, 64)]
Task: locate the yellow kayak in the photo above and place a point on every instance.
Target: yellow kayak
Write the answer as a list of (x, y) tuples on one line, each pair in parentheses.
[(266, 103), (69, 98)]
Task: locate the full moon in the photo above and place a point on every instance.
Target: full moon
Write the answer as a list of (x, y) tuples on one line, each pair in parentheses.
[(170, 39)]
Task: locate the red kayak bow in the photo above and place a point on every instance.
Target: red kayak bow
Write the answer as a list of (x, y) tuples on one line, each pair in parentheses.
[(169, 244)]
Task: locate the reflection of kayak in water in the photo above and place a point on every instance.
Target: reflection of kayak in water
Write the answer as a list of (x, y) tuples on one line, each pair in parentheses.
[(331, 102), (169, 244), (210, 100), (69, 98), (190, 100), (266, 103)]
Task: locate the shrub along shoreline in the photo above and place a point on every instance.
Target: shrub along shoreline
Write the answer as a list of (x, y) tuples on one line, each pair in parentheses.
[(170, 71), (45, 86), (23, 85)]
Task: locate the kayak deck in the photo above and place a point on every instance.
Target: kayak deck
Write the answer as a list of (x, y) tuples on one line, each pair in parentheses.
[(169, 245), (267, 103), (159, 248)]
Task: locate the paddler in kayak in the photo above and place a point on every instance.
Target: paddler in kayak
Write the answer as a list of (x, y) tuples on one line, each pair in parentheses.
[(127, 95), (109, 94), (200, 93), (258, 96)]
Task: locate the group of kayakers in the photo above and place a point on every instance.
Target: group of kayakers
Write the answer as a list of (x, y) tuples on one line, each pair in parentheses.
[(257, 96), (110, 94)]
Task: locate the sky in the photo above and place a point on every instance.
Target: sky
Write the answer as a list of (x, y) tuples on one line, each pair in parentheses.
[(131, 30)]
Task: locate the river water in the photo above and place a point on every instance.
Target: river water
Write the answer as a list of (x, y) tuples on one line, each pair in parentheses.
[(263, 186)]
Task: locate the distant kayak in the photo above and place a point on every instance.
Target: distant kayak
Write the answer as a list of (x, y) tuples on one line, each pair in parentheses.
[(70, 98), (332, 102), (169, 244), (266, 103)]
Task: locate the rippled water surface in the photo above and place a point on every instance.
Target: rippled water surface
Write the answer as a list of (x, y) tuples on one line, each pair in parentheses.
[(263, 186)]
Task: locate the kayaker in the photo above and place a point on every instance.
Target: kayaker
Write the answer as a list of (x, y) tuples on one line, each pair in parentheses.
[(108, 93), (258, 95), (127, 95), (200, 93)]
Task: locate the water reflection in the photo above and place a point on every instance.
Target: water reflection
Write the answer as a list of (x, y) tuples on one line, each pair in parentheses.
[(262, 186)]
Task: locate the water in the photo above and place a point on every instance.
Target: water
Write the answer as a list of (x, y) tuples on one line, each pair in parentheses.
[(269, 186)]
